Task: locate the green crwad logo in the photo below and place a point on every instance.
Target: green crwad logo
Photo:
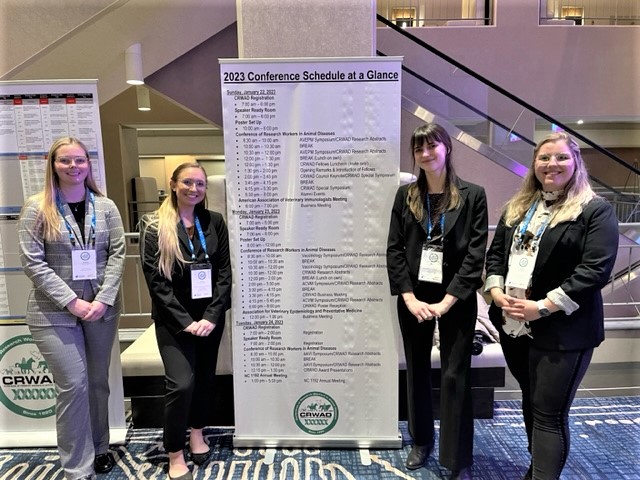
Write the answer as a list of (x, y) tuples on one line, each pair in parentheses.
[(316, 413), (26, 385)]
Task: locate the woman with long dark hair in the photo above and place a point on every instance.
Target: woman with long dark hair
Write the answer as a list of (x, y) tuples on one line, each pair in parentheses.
[(435, 256)]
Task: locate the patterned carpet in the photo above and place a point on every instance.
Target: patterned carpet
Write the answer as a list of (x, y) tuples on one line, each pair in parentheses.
[(605, 445)]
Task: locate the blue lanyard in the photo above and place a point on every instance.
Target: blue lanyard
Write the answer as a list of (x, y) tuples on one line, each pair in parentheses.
[(429, 224), (525, 225), (202, 240), (72, 235)]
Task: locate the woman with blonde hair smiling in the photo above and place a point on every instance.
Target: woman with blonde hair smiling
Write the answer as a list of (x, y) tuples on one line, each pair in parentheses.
[(553, 251), (72, 248), (185, 259)]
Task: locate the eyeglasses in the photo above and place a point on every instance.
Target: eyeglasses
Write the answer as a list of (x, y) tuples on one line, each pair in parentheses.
[(560, 157), (66, 161), (199, 184)]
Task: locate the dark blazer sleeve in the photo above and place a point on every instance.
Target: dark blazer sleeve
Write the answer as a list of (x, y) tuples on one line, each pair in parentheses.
[(599, 253), (468, 277), (498, 253), (397, 265), (169, 310), (221, 299)]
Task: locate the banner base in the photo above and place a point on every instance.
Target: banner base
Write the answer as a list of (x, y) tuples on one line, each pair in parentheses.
[(245, 441), (48, 438)]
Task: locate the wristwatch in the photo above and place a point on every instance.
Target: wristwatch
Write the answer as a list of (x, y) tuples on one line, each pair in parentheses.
[(542, 310)]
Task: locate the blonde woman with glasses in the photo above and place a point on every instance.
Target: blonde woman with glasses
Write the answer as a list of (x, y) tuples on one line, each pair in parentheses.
[(185, 259), (72, 248), (553, 251)]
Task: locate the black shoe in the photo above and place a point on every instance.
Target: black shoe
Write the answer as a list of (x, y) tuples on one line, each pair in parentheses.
[(418, 456), (184, 476), (200, 458), (462, 474), (104, 463)]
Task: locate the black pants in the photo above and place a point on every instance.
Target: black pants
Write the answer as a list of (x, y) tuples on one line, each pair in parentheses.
[(548, 380), (190, 370), (456, 416)]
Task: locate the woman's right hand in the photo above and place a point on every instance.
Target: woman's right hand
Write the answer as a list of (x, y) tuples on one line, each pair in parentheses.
[(78, 307), (500, 298)]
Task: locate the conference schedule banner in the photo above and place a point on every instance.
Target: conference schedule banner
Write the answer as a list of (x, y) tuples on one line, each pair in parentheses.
[(312, 164)]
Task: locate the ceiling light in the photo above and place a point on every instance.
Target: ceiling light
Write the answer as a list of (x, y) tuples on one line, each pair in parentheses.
[(133, 65), (144, 102)]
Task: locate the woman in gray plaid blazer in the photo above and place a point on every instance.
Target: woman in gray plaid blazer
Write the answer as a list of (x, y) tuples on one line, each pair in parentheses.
[(72, 248)]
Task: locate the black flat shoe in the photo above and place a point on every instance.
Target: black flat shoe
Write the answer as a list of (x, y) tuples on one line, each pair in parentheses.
[(418, 456), (462, 474), (200, 458), (104, 463)]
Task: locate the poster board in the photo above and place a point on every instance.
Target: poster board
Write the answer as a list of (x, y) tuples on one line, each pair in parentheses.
[(312, 167), (33, 114)]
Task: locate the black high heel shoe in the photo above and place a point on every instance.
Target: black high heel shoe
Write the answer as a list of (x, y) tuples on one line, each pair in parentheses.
[(200, 458)]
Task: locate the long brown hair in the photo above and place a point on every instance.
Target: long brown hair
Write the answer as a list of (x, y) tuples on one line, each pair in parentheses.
[(417, 191)]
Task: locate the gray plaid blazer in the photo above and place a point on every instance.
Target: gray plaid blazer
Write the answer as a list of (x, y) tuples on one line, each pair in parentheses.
[(48, 264)]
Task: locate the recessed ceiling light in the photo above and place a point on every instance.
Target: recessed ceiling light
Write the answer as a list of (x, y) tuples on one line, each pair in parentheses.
[(580, 122)]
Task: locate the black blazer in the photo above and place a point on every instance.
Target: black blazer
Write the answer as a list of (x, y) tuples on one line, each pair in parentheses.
[(464, 242), (577, 256), (171, 299)]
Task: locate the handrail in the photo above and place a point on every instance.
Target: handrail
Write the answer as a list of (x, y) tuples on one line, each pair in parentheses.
[(506, 93), (475, 110)]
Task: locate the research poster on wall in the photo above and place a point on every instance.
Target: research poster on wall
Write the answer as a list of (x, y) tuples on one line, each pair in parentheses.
[(33, 114), (312, 166)]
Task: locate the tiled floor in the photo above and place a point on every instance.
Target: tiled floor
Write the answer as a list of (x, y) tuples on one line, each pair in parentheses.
[(601, 380)]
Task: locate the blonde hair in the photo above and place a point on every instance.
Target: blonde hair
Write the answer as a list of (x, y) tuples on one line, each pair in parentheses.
[(164, 222), (575, 195), (48, 214), (417, 191)]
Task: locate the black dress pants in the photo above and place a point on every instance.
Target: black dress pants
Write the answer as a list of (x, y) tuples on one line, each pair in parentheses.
[(456, 415), (190, 370), (549, 380)]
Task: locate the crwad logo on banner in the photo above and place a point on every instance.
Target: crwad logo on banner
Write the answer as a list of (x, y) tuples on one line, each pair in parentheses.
[(26, 386), (316, 413)]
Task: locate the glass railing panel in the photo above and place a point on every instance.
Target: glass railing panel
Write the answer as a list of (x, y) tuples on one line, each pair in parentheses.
[(497, 118)]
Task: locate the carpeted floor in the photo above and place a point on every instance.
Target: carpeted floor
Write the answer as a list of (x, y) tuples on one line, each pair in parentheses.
[(605, 445)]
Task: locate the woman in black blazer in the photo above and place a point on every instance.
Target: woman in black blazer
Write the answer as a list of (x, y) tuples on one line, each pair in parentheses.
[(185, 259), (553, 251), (435, 255)]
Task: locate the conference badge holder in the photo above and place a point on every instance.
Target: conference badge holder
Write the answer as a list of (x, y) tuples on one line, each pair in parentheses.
[(83, 265), (431, 264), (201, 280)]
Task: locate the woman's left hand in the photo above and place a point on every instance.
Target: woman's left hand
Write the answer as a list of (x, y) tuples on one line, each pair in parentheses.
[(522, 310), (96, 311)]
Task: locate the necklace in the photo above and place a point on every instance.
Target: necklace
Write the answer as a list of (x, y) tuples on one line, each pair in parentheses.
[(75, 206)]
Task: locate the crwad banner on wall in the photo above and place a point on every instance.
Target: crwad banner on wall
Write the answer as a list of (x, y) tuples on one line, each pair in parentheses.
[(312, 162)]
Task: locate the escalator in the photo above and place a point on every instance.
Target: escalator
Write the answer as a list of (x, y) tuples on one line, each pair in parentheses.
[(504, 129)]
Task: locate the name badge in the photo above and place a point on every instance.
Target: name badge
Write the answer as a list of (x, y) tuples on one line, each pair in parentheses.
[(83, 265), (201, 280), (430, 265), (520, 271)]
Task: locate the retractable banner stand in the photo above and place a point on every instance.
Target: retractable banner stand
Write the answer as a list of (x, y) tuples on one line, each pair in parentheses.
[(33, 114), (312, 165)]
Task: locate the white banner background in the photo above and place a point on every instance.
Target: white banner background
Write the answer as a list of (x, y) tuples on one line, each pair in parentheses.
[(312, 164)]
